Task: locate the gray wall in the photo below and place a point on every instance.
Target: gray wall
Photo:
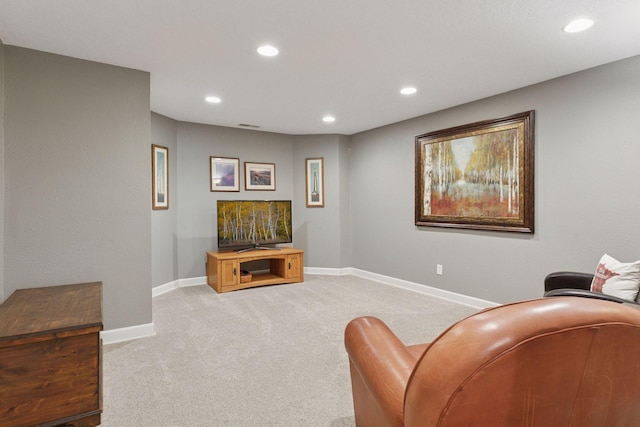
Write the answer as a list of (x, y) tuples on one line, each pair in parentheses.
[(164, 223), (183, 234), (196, 203), (587, 195), (323, 232), (77, 179), (2, 193)]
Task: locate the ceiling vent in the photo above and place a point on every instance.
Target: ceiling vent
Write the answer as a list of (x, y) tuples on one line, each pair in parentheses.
[(244, 125)]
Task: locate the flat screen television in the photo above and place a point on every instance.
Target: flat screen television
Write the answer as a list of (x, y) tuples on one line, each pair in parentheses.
[(253, 224)]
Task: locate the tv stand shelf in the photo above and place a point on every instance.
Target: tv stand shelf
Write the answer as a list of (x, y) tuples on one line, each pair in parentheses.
[(223, 268)]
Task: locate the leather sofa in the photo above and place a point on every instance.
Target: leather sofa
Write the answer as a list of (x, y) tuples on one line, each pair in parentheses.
[(562, 361), (570, 283)]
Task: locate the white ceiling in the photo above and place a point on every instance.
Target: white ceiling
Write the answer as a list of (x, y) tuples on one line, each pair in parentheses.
[(348, 58)]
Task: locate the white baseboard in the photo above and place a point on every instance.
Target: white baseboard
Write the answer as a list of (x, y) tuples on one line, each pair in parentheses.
[(167, 287), (126, 334), (404, 284), (325, 271), (147, 330), (163, 289), (194, 281), (392, 281), (424, 289)]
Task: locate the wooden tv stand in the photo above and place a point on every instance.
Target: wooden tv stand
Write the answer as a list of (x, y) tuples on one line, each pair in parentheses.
[(223, 268)]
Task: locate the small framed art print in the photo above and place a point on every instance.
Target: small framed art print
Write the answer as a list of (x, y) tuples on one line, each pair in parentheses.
[(259, 176), (224, 173)]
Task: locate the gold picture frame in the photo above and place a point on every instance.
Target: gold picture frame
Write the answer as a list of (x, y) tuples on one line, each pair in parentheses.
[(159, 177), (314, 180)]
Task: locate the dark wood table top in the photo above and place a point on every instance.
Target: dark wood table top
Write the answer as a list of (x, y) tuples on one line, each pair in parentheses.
[(52, 309)]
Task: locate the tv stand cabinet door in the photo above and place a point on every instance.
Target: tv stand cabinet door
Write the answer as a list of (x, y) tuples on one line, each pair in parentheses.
[(229, 272), (293, 267)]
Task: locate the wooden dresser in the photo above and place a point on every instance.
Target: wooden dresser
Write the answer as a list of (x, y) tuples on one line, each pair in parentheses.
[(51, 356)]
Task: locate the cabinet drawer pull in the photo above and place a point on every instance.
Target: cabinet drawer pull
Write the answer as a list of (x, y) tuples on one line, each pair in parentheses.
[(234, 271)]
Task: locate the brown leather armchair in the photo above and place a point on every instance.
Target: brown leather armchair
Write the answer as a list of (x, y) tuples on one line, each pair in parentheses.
[(562, 361)]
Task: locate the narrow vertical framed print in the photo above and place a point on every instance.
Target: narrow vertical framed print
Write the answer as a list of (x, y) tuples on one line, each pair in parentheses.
[(315, 182), (224, 174), (159, 177)]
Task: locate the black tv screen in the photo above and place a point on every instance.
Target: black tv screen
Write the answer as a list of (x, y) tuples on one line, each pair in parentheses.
[(252, 223)]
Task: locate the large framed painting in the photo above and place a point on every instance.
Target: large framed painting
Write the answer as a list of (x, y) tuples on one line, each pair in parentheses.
[(159, 177), (224, 173), (477, 176)]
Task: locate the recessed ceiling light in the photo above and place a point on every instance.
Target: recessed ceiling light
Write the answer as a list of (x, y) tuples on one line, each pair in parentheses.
[(408, 90), (267, 50), (213, 99), (328, 119), (578, 25)]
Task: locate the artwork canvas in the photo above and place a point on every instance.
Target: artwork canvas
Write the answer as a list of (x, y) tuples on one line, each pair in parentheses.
[(254, 223), (315, 182), (477, 176), (159, 177), (259, 176), (224, 174)]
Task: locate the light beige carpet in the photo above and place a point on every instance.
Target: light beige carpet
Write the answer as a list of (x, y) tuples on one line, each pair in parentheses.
[(270, 356)]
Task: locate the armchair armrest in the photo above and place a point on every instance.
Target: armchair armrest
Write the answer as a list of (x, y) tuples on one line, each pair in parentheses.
[(380, 368), (584, 294), (567, 280)]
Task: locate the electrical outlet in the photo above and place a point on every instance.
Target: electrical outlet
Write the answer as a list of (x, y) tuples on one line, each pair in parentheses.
[(439, 269)]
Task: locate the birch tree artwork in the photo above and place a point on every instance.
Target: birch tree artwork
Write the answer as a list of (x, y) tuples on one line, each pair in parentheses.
[(475, 175), (251, 222)]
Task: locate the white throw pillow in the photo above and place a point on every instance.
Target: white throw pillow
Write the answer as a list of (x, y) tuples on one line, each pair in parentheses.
[(616, 278)]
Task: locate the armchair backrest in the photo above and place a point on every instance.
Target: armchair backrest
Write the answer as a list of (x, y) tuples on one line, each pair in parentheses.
[(554, 361)]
